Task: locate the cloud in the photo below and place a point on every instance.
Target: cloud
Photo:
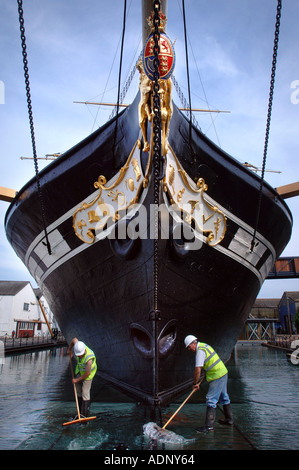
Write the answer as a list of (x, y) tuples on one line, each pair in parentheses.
[(218, 62)]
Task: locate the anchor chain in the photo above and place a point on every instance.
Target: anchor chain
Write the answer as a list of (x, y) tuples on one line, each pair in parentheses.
[(30, 113), (155, 314), (156, 145)]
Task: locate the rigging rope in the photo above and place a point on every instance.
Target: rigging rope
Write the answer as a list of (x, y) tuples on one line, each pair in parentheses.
[(273, 70), (29, 105), (119, 74), (125, 88), (188, 80), (183, 100)]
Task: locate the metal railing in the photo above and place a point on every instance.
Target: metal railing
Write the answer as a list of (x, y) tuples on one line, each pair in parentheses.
[(34, 341), (283, 341)]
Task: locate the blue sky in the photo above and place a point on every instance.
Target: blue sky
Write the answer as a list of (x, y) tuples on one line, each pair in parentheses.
[(73, 53)]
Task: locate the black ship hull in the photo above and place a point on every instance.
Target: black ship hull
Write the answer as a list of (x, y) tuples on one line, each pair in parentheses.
[(102, 289)]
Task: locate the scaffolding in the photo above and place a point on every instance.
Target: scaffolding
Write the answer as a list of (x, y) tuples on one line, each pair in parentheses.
[(259, 329)]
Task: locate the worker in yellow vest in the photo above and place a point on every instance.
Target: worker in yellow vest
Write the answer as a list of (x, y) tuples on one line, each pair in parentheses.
[(85, 371), (216, 375)]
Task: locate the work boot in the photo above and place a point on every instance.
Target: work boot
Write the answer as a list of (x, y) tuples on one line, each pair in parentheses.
[(210, 418), (85, 408), (228, 416)]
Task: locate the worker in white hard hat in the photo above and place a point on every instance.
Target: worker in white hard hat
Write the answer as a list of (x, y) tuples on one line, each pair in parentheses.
[(85, 371), (216, 375)]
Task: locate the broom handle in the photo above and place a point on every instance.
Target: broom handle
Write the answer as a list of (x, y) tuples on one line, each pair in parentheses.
[(75, 390), (181, 406)]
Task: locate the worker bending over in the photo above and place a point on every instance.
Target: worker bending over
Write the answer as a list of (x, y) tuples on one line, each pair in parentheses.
[(85, 371), (216, 376)]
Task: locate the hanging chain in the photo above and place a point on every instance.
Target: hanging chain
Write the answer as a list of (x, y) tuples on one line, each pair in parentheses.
[(157, 144), (29, 105), (272, 81)]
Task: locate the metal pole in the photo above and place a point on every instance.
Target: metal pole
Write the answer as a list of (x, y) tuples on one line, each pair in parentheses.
[(45, 317)]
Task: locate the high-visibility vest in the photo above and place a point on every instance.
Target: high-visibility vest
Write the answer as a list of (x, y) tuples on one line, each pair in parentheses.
[(213, 366), (81, 364)]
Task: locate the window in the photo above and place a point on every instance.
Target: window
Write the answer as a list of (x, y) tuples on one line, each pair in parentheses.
[(26, 307), (24, 325)]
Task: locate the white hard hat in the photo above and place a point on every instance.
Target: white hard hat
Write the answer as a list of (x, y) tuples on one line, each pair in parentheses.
[(189, 339), (79, 348)]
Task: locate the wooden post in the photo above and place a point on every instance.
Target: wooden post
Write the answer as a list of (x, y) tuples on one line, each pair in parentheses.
[(289, 190), (7, 194), (45, 317)]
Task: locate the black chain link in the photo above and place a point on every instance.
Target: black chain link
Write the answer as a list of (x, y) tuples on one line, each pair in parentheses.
[(29, 105), (156, 144), (271, 93)]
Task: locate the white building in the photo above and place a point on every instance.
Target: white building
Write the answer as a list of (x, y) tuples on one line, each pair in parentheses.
[(21, 314)]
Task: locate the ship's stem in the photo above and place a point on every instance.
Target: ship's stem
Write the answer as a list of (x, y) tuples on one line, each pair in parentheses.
[(147, 9)]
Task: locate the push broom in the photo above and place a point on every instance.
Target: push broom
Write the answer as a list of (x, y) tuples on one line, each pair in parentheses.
[(181, 406), (79, 420), (162, 432)]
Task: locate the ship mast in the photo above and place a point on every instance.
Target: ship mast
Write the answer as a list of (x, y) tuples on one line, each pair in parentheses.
[(147, 8)]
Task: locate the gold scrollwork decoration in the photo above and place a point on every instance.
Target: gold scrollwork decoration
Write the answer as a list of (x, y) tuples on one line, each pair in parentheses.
[(188, 198), (114, 197)]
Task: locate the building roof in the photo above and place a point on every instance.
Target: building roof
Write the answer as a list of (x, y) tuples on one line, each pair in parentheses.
[(266, 303), (294, 295), (12, 287)]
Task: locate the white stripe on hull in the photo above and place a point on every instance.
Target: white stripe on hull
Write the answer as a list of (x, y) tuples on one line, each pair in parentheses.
[(239, 248)]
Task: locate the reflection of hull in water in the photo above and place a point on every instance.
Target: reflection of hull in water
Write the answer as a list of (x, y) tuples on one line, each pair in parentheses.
[(103, 291)]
